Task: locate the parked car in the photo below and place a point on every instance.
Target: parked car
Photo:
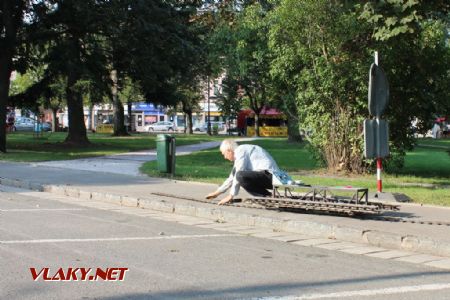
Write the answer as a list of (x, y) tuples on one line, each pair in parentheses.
[(46, 126), (161, 126), (200, 127), (28, 124), (24, 124), (203, 127)]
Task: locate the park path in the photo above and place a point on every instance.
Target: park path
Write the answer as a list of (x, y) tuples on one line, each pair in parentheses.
[(125, 163)]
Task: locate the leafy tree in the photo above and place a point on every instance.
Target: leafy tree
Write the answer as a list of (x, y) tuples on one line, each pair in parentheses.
[(396, 17), (130, 92), (11, 24), (119, 113), (246, 59), (414, 40), (21, 83), (54, 98), (71, 46), (85, 42), (323, 50), (230, 101), (189, 95), (308, 40), (152, 44)]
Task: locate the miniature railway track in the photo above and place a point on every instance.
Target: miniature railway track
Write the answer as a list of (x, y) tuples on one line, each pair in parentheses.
[(408, 220), (367, 211), (347, 208)]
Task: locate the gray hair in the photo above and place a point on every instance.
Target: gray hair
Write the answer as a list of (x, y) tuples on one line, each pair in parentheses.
[(228, 144)]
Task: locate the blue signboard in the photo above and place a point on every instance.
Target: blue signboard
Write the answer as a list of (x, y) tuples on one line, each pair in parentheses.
[(147, 108)]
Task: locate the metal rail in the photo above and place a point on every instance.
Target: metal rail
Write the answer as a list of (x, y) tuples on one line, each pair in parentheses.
[(296, 204), (369, 211)]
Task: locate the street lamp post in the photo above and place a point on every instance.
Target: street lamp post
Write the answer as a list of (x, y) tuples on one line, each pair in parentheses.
[(209, 110)]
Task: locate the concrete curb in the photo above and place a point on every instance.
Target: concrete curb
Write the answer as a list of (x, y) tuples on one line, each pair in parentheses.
[(344, 233)]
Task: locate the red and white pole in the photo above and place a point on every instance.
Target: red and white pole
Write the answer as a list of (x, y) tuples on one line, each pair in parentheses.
[(379, 162), (379, 182)]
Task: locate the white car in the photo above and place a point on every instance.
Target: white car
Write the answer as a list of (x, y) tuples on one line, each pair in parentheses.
[(161, 126), (28, 124), (204, 126)]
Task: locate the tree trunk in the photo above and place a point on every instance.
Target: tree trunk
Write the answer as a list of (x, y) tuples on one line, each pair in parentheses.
[(130, 117), (255, 107), (119, 114), (5, 73), (54, 119), (92, 121), (77, 128), (257, 124), (293, 131), (293, 121), (189, 122), (91, 115), (11, 18)]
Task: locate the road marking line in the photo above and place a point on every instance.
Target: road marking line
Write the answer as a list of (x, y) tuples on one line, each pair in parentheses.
[(419, 258), (367, 250), (314, 242), (390, 254), (290, 237), (168, 237), (39, 209), (374, 292)]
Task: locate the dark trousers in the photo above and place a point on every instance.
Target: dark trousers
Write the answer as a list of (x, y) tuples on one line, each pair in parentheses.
[(256, 183)]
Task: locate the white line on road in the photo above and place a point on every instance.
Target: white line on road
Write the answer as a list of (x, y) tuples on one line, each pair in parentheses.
[(39, 209), (168, 237), (375, 292)]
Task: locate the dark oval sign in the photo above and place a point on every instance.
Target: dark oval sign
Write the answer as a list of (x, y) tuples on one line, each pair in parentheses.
[(378, 91)]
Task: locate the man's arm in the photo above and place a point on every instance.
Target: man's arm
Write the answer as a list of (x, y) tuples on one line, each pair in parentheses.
[(225, 186), (239, 165), (227, 183), (227, 199), (213, 195)]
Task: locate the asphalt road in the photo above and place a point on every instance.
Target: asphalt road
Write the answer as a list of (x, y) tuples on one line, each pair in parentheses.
[(171, 257)]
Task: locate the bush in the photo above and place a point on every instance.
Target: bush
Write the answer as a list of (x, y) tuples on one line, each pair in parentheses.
[(215, 129)]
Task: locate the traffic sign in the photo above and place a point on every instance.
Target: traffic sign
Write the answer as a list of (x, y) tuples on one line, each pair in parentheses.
[(376, 138), (378, 90)]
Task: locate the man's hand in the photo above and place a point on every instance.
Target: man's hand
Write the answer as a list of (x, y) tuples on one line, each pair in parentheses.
[(212, 195), (227, 199)]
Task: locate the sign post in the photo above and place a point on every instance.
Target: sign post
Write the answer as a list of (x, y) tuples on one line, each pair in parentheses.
[(376, 131)]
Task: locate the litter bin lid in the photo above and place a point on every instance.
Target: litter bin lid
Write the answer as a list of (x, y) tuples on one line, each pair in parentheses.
[(163, 137)]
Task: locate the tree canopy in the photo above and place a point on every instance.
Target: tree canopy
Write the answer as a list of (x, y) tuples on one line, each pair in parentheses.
[(242, 48), (150, 42), (309, 57), (323, 50)]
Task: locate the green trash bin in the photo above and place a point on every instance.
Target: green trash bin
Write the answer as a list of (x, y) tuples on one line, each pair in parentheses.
[(165, 153)]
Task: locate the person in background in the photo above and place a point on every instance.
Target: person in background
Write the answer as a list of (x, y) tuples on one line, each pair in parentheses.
[(252, 169), (436, 130), (10, 120)]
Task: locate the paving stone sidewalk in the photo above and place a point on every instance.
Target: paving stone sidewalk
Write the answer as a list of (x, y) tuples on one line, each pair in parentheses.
[(139, 191), (124, 163), (116, 179)]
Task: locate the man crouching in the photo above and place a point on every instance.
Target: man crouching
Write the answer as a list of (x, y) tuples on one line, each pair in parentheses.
[(253, 168)]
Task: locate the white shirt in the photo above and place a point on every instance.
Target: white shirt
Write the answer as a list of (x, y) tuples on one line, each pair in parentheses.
[(247, 158)]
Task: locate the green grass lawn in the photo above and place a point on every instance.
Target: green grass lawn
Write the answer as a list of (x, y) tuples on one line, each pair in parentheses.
[(209, 165), (434, 142), (422, 166), (427, 163), (25, 147)]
